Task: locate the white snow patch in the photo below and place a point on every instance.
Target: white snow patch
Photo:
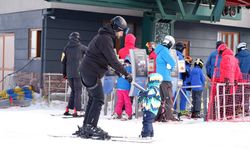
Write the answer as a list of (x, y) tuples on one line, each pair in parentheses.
[(29, 128)]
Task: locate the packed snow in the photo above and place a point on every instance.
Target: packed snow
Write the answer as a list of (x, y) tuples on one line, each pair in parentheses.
[(32, 128)]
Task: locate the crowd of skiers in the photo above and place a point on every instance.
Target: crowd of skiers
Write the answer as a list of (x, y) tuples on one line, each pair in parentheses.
[(87, 65)]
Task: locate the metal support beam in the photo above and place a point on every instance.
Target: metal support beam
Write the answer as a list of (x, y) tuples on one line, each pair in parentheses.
[(162, 11), (112, 3), (218, 8), (147, 25), (197, 4), (181, 8)]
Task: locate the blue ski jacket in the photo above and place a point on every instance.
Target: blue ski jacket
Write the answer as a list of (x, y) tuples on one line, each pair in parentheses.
[(163, 58)]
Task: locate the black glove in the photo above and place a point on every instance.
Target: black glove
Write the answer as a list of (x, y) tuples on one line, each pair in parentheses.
[(143, 94), (129, 78), (117, 73), (227, 81)]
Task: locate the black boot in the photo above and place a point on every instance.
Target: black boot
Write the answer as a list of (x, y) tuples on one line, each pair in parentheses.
[(79, 132), (91, 131)]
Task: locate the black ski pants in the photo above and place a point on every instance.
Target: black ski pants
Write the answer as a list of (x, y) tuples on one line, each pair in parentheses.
[(75, 95), (196, 102), (165, 112), (95, 101)]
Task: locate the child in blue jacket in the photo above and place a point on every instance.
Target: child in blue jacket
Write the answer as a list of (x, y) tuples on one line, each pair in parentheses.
[(197, 78), (122, 91), (151, 101)]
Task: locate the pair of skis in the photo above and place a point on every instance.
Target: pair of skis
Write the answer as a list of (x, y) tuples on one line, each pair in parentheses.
[(112, 138), (66, 116)]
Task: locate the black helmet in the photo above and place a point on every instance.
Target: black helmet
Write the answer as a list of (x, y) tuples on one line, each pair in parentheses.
[(218, 43), (179, 46), (119, 24), (74, 36), (199, 62)]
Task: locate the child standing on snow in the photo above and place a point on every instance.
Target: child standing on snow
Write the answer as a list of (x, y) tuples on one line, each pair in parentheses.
[(197, 78), (151, 101), (122, 91)]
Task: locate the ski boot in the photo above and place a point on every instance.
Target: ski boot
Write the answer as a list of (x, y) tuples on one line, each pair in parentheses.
[(78, 113), (67, 112), (93, 132), (79, 132)]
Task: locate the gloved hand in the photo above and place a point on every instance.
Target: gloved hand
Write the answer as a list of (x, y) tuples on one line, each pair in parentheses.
[(129, 78), (227, 81), (143, 94), (169, 67), (117, 73)]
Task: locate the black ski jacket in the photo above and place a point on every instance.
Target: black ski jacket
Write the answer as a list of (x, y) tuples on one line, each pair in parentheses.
[(71, 57), (101, 54)]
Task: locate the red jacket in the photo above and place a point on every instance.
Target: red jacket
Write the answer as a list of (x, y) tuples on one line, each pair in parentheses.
[(129, 44), (229, 67)]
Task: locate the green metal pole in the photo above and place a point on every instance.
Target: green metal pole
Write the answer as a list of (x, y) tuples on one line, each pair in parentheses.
[(147, 28)]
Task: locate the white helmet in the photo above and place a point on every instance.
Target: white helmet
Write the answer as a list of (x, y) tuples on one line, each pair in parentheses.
[(242, 46), (168, 41)]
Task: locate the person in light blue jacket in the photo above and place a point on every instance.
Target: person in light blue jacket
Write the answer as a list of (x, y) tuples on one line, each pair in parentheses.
[(164, 65), (197, 79)]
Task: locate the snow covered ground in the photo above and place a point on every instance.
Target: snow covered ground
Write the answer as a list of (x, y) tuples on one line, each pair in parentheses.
[(30, 128)]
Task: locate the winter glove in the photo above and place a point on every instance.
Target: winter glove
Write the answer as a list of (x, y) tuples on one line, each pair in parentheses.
[(129, 78), (117, 73), (227, 81), (169, 67), (143, 94)]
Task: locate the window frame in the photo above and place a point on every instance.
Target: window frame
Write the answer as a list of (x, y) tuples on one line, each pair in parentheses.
[(233, 44), (38, 43)]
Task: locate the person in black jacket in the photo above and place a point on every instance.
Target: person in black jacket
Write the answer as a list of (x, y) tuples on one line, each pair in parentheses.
[(71, 57), (95, 64)]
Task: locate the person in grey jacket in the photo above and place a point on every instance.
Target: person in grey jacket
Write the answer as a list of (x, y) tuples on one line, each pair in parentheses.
[(71, 57)]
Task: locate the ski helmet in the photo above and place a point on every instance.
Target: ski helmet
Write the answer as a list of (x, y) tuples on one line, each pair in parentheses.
[(118, 23), (74, 36), (242, 46), (155, 77), (168, 41), (180, 46), (198, 62)]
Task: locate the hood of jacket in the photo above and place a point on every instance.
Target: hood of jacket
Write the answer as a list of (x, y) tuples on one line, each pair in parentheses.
[(73, 43), (107, 29), (227, 52), (130, 40)]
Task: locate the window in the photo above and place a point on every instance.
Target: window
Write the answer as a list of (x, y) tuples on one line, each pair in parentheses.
[(232, 39), (34, 43)]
